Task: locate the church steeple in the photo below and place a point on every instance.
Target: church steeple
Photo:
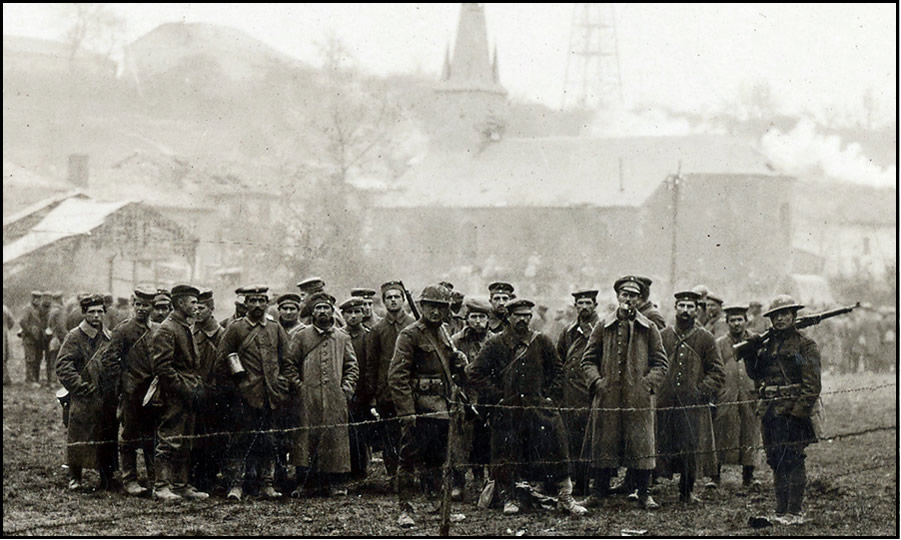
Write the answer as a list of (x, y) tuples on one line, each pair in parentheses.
[(471, 67)]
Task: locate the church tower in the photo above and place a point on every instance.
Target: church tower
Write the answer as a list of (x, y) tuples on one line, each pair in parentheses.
[(470, 95)]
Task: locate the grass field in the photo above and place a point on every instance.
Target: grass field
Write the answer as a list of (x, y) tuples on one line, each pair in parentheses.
[(852, 491)]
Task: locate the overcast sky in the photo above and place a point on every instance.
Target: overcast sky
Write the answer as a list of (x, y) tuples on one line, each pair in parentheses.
[(689, 57)]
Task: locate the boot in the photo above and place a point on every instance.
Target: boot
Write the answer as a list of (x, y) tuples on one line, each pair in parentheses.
[(780, 486), (747, 476), (162, 488), (235, 494), (600, 487), (129, 460), (565, 499), (796, 480), (183, 485)]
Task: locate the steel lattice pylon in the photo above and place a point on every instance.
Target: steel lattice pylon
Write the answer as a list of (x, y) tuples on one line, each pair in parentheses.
[(592, 61)]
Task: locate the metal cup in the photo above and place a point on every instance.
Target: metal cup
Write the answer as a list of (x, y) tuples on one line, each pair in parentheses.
[(234, 365)]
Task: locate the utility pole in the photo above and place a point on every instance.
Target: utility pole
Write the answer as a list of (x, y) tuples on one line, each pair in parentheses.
[(674, 181), (592, 77)]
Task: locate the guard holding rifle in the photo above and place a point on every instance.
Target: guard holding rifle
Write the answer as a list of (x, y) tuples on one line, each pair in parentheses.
[(419, 379), (785, 367)]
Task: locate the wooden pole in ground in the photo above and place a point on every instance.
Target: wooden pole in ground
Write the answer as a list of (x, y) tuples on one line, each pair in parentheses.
[(447, 485)]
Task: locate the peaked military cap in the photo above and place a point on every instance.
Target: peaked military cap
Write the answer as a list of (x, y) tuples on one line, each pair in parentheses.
[(352, 302), (500, 286), (205, 294), (184, 290), (519, 303), (687, 295), (311, 284), (755, 303), (586, 293), (457, 297), (91, 300), (256, 290), (57, 294), (36, 294), (147, 295), (715, 299), (320, 298), (477, 305), (644, 281), (629, 283), (736, 309), (289, 298), (160, 299), (362, 293), (391, 285)]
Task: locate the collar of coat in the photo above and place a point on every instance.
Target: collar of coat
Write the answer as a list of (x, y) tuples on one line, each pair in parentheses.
[(592, 321), (639, 319), (324, 331), (176, 316), (513, 340), (391, 318), (261, 322), (209, 328), (91, 332)]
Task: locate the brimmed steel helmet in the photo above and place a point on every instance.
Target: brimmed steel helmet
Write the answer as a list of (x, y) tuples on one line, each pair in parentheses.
[(781, 303), (437, 294)]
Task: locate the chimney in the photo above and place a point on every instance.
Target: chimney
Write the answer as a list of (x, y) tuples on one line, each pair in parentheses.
[(78, 170)]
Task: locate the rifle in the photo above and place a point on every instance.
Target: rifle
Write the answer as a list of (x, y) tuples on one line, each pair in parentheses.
[(800, 323), (464, 399)]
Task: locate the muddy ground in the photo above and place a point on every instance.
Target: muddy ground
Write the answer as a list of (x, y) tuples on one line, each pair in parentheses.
[(853, 489)]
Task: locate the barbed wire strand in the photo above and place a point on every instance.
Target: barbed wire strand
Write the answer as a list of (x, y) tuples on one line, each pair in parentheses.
[(223, 434)]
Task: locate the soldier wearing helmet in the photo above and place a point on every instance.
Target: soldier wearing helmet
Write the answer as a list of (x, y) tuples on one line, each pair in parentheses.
[(418, 382), (785, 367)]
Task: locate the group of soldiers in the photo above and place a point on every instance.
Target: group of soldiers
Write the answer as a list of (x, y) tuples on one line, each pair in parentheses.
[(293, 394)]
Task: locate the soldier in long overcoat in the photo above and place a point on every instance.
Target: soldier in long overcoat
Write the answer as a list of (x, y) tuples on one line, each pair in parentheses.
[(33, 324), (736, 428), (207, 453), (127, 360), (324, 372), (519, 368), (693, 380), (574, 389), (253, 358), (92, 410), (624, 364), (353, 312)]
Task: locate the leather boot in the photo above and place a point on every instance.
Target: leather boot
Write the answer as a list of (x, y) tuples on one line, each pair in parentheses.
[(183, 485), (162, 488), (565, 501), (796, 480), (780, 486)]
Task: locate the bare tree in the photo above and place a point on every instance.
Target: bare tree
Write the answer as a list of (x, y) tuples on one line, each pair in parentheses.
[(94, 27)]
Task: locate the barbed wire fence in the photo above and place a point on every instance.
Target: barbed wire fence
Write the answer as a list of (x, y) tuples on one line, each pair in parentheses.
[(206, 506)]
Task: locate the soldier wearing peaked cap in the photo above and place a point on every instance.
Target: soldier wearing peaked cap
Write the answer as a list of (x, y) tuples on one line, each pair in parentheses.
[(92, 410), (695, 377), (127, 361), (645, 306), (500, 292), (456, 321), (519, 367), (624, 365), (289, 313), (716, 319), (252, 360), (369, 316), (786, 371), (379, 352), (33, 324), (361, 402), (162, 306), (736, 428)]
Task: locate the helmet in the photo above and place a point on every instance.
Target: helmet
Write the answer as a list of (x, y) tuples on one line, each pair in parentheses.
[(781, 303), (438, 294)]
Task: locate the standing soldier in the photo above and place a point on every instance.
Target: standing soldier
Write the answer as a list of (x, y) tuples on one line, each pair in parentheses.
[(253, 357), (500, 292), (8, 323), (475, 436), (368, 296), (702, 292), (324, 373), (378, 357), (695, 377), (206, 452), (353, 310), (757, 323), (91, 433), (289, 419), (33, 326), (456, 321), (786, 371), (127, 361), (570, 346), (308, 287), (624, 364), (518, 368), (240, 309), (716, 319), (736, 429), (181, 390), (162, 306), (56, 321), (419, 385)]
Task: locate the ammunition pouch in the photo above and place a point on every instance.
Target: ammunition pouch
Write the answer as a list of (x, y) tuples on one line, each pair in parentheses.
[(429, 395)]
